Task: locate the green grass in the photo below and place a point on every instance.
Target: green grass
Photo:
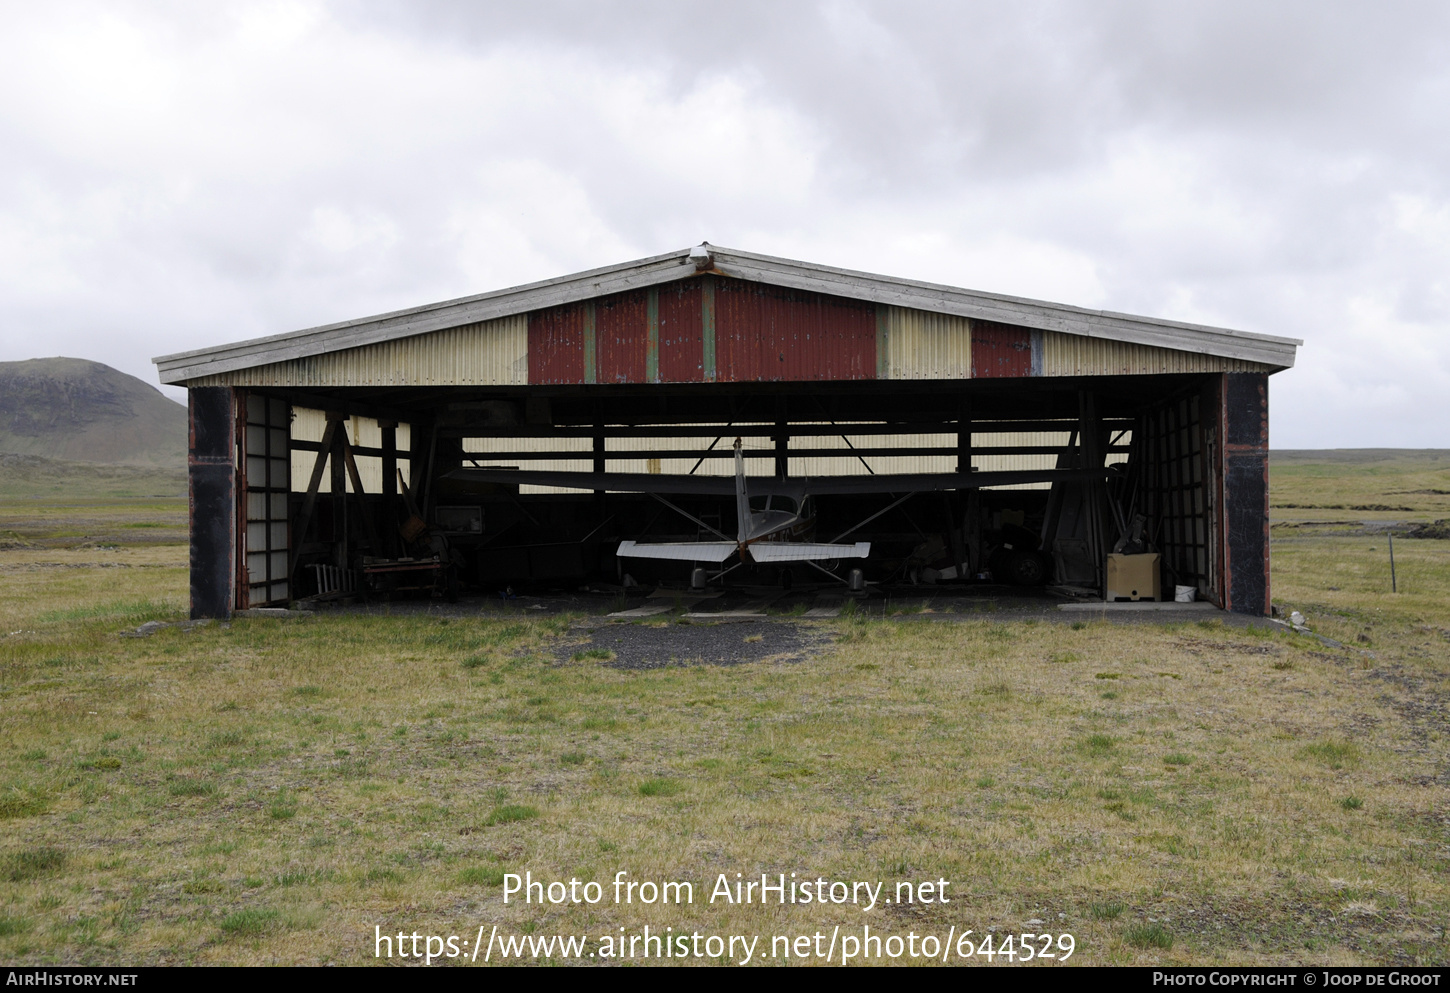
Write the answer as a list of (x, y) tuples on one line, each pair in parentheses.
[(31, 863), (250, 922), (511, 813), (22, 801), (660, 787), (191, 787), (138, 611), (1335, 754), (283, 807), (1150, 935), (10, 926), (482, 876)]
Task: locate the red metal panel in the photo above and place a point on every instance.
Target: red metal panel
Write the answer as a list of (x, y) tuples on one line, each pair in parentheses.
[(769, 333), (621, 330), (556, 345), (1000, 350), (681, 333)]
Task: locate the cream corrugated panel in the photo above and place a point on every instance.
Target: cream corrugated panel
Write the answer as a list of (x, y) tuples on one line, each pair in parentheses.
[(495, 452), (920, 345), (616, 447), (309, 425), (490, 353), (851, 465), (1078, 355), (1009, 463)]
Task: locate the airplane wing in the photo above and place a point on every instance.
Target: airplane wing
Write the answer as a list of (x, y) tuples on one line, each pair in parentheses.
[(679, 551), (921, 482), (618, 482), (803, 551), (796, 486)]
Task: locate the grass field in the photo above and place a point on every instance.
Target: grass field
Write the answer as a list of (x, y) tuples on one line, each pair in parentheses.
[(270, 791)]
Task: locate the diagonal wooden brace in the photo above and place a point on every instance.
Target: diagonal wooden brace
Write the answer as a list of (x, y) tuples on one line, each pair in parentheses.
[(309, 503)]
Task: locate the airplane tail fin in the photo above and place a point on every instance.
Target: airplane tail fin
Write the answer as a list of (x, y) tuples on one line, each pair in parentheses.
[(742, 496)]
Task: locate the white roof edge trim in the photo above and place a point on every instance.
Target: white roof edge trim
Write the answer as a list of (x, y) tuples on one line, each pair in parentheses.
[(1022, 311), (655, 270)]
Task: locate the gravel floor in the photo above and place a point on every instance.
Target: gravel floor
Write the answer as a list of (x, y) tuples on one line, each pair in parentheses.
[(649, 646)]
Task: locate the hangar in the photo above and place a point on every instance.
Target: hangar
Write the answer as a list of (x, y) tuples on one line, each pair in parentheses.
[(335, 460)]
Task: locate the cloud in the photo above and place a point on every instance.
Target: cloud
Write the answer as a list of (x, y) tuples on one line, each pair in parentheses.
[(173, 176)]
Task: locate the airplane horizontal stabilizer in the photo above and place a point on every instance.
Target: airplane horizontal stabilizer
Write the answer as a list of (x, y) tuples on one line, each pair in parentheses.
[(807, 551), (679, 551)]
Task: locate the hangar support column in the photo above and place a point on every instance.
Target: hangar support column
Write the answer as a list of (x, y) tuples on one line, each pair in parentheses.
[(212, 492), (1246, 492)]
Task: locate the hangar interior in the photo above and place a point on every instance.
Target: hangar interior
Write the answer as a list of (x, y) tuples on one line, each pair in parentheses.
[(323, 462)]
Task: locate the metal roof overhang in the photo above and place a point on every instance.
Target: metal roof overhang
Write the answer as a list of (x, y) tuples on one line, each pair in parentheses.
[(931, 297)]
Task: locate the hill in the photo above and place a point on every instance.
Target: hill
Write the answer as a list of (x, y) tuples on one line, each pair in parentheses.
[(78, 410)]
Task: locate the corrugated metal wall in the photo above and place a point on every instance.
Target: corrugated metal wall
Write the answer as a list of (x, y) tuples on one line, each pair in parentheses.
[(1001, 350), (683, 313), (914, 344), (769, 334), (626, 333), (709, 329), (1076, 355), (557, 349), (491, 353)]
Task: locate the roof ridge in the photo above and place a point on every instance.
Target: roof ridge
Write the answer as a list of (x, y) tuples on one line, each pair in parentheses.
[(669, 267)]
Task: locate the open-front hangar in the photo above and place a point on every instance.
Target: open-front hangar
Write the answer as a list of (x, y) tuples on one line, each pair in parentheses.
[(961, 436)]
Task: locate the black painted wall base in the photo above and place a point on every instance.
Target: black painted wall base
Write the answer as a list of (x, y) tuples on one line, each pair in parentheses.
[(212, 482), (1246, 491)]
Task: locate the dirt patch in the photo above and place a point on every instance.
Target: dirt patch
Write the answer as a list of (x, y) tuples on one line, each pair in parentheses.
[(650, 645), (1199, 648)]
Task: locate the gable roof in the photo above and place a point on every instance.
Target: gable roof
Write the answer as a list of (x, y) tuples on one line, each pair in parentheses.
[(659, 269)]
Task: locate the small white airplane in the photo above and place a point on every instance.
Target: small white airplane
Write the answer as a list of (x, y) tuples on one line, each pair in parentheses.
[(767, 535)]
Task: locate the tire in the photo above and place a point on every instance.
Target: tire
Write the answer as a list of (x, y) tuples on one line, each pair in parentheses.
[(1026, 568)]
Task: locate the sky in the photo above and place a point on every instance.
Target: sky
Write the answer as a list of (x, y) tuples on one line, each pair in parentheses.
[(178, 175)]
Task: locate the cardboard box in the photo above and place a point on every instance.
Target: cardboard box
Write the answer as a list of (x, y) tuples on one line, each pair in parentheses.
[(1133, 577)]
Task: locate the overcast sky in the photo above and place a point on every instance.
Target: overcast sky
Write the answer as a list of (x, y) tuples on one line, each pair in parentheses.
[(176, 175)]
